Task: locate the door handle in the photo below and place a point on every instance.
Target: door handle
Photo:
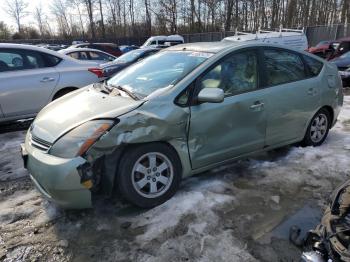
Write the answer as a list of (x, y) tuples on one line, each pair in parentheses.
[(47, 79), (257, 105), (311, 91)]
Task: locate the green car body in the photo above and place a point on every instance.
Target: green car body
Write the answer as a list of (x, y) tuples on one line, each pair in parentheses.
[(203, 134)]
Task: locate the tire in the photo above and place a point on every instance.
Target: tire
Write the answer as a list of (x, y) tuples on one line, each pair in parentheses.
[(149, 174), (316, 134)]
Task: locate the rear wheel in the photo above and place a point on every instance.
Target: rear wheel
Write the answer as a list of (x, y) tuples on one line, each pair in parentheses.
[(318, 129), (149, 174)]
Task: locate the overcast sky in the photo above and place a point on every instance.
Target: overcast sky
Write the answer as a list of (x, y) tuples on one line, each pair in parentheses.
[(31, 7)]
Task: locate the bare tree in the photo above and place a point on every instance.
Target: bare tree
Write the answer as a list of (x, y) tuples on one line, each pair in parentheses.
[(17, 10), (59, 9), (102, 21), (76, 5), (39, 17), (148, 17), (89, 4)]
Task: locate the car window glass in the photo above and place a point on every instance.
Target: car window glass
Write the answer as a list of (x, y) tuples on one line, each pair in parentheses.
[(10, 61), (314, 66), (234, 74), (83, 56), (99, 56), (35, 60), (283, 67), (161, 70), (74, 55)]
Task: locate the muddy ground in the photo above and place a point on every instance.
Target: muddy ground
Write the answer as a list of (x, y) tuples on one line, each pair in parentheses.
[(238, 212)]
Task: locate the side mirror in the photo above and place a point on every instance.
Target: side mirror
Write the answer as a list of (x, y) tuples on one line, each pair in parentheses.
[(211, 95)]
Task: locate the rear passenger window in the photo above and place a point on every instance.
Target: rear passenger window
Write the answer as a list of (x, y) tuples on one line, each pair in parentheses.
[(283, 67), (34, 60), (313, 65), (74, 55)]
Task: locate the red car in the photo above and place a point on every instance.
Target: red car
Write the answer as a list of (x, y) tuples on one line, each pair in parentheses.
[(324, 48), (342, 48), (109, 48)]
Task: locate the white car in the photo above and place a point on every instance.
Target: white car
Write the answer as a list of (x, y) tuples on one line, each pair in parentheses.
[(158, 40), (31, 77), (88, 54), (292, 38)]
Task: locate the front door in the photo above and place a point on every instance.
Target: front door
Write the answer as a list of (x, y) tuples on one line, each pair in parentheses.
[(221, 131)]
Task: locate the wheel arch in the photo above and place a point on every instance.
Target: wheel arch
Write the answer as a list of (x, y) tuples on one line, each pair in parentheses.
[(112, 160), (63, 90), (167, 143), (331, 113)]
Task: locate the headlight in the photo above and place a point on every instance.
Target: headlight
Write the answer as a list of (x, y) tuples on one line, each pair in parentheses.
[(80, 139)]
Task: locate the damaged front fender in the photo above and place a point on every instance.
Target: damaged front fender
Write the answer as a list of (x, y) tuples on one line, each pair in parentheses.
[(146, 124)]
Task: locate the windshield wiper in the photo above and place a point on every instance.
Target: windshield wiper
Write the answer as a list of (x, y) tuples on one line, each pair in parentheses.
[(132, 95)]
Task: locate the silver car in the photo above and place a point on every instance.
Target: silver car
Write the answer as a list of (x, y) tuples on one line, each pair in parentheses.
[(88, 54), (31, 77)]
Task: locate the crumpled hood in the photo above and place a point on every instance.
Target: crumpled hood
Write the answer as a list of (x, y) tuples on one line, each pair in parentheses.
[(76, 108)]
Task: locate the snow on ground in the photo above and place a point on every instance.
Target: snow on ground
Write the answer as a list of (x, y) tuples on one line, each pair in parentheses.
[(237, 212)]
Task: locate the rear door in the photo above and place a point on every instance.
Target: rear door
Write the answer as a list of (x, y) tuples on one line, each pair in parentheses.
[(220, 131), (293, 95), (27, 79)]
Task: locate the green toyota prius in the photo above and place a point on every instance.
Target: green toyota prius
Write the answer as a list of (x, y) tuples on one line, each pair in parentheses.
[(182, 111)]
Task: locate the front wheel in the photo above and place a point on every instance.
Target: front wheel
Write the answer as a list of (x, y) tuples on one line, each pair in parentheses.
[(149, 174), (318, 129)]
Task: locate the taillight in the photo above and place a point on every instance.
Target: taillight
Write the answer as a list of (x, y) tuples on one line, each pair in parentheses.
[(97, 71)]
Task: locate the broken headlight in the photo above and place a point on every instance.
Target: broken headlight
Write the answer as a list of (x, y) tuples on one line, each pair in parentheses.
[(80, 139)]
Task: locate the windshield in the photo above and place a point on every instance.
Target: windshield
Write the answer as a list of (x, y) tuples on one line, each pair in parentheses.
[(346, 55), (129, 56), (158, 71), (322, 43)]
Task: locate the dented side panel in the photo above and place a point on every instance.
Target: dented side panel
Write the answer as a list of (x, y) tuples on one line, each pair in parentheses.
[(149, 123)]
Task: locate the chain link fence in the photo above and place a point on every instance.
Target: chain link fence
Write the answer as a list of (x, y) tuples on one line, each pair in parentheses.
[(314, 35)]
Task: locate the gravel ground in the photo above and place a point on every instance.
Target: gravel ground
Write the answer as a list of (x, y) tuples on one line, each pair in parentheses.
[(238, 212)]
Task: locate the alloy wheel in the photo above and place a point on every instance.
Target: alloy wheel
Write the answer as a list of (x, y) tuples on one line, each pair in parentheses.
[(152, 175)]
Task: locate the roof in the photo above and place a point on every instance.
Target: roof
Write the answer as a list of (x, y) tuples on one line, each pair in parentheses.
[(210, 47), (252, 36), (82, 49), (34, 48)]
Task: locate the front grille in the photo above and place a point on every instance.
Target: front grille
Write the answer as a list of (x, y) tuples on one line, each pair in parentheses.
[(342, 68), (39, 143)]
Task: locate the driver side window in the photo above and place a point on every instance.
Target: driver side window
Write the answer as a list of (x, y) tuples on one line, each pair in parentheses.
[(235, 74)]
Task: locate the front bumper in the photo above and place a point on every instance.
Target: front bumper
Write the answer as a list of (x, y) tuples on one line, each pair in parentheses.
[(57, 179)]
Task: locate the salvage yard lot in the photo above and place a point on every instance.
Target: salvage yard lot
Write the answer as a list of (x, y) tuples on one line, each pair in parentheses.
[(238, 212)]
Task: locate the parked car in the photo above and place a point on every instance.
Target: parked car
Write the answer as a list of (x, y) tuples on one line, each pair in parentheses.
[(54, 47), (324, 48), (111, 68), (127, 48), (31, 77), (184, 110), (156, 41), (109, 48), (342, 48), (291, 38), (343, 64), (88, 54)]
